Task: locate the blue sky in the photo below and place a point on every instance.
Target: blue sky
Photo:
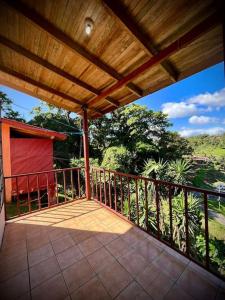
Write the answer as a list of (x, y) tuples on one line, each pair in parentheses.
[(195, 105)]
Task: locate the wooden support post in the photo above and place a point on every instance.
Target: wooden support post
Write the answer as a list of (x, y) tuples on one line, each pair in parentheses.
[(86, 154)]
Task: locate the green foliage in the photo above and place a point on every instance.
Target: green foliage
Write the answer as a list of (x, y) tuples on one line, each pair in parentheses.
[(194, 218), (216, 252), (7, 109), (79, 162), (117, 158), (205, 145), (144, 133), (180, 171), (50, 117), (156, 170), (177, 171)]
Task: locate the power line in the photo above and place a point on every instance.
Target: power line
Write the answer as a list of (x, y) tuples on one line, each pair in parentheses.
[(53, 120)]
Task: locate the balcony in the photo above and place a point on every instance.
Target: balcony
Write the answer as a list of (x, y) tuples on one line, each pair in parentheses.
[(72, 248), (83, 250)]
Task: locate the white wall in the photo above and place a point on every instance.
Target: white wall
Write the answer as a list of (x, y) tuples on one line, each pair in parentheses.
[(2, 223)]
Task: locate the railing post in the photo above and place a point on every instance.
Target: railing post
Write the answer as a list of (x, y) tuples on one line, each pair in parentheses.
[(86, 154)]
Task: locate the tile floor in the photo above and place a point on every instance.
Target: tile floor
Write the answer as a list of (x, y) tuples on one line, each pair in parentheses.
[(83, 251)]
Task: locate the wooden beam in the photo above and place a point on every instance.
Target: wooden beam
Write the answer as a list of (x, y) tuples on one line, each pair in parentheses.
[(44, 87), (205, 26), (62, 38), (44, 63), (13, 85), (119, 11)]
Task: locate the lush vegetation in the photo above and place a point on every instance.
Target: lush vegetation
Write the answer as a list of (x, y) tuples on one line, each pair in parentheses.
[(136, 140), (210, 146)]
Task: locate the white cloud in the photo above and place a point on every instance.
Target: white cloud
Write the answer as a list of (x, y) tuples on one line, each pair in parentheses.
[(179, 110), (202, 120), (216, 99), (210, 131), (201, 103)]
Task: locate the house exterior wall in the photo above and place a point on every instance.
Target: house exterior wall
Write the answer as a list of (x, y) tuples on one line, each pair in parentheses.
[(6, 159), (30, 156)]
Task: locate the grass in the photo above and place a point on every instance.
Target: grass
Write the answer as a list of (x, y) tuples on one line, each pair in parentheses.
[(216, 230), (214, 205), (209, 150)]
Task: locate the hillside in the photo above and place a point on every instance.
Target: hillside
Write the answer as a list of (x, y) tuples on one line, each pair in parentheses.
[(205, 145)]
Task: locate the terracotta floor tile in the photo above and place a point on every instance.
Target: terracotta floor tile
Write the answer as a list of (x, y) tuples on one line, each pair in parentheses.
[(220, 294), (38, 255), (133, 262), (160, 286), (118, 247), (25, 296), (89, 246), (93, 290), (78, 274), (43, 271), (57, 233), (132, 237), (52, 289), (170, 264), (15, 286), (196, 286), (11, 266), (147, 276), (177, 293), (133, 292), (37, 241), (114, 278), (82, 235), (148, 250), (69, 256), (100, 255), (62, 243), (100, 259)]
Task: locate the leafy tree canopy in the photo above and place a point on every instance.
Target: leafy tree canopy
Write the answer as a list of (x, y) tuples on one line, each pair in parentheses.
[(6, 106)]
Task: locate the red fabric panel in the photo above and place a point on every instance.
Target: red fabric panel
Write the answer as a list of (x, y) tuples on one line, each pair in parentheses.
[(30, 156)]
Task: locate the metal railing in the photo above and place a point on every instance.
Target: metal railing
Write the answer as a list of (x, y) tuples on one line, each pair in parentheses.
[(30, 192), (175, 214)]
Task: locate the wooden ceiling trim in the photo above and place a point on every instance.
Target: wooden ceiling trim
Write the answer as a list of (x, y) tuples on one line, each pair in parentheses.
[(203, 27), (44, 63), (44, 87), (120, 13), (17, 87), (62, 38)]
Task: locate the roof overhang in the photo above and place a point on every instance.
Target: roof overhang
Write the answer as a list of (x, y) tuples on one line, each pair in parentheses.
[(136, 48), (34, 131)]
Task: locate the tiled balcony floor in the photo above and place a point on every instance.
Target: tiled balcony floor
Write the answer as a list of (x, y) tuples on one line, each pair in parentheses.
[(83, 251)]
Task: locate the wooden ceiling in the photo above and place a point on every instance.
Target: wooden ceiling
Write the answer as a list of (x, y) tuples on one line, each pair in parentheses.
[(136, 47)]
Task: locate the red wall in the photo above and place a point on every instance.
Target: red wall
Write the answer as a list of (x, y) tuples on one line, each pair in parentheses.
[(30, 156)]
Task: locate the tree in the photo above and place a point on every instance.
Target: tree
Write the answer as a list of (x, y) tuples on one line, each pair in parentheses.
[(7, 109), (144, 133), (50, 117), (117, 158)]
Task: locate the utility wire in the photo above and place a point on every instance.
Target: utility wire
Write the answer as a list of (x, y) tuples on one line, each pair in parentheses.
[(59, 122)]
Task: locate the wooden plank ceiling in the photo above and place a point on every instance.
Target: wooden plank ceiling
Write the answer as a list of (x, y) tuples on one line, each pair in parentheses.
[(136, 47)]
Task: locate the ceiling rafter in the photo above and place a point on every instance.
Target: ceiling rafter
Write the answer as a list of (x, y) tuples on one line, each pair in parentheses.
[(45, 87), (13, 85), (203, 27), (44, 63), (118, 10), (62, 38)]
